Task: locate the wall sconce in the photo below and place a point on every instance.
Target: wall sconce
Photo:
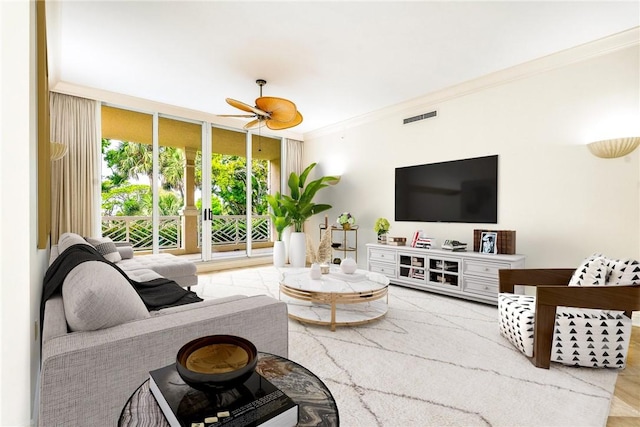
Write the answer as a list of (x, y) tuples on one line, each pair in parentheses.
[(334, 181), (612, 148), (57, 151)]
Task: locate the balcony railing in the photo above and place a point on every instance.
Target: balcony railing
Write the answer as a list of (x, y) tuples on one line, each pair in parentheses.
[(232, 229), (225, 230)]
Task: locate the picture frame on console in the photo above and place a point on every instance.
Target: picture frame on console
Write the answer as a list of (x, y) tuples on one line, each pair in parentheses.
[(488, 242)]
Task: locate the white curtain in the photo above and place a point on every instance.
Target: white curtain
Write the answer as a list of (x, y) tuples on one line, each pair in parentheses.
[(74, 122), (292, 163), (293, 159)]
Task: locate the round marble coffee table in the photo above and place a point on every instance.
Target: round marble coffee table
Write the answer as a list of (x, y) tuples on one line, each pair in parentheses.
[(336, 299)]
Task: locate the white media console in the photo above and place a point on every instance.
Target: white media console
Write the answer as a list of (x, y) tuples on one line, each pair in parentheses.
[(470, 275)]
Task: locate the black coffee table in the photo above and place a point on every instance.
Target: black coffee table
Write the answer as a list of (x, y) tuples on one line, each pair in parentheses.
[(316, 405)]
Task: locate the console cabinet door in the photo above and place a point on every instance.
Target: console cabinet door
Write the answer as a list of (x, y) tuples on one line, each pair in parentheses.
[(444, 271), (412, 267)]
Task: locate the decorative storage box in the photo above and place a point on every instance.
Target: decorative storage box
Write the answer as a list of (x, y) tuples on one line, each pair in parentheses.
[(505, 241), (396, 241)]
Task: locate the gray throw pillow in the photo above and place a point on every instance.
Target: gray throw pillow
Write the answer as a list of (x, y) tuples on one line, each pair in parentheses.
[(106, 247), (125, 249), (70, 239), (97, 296)]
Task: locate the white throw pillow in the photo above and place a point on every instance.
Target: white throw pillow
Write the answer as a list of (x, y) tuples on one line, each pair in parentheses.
[(97, 296), (592, 272), (106, 247)]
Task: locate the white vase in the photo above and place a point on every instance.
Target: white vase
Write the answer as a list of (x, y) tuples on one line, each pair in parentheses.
[(279, 253), (286, 237), (297, 249)]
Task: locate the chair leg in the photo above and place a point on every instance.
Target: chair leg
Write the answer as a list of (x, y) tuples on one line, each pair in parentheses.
[(543, 335)]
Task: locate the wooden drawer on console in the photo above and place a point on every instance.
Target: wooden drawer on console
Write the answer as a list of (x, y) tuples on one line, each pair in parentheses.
[(379, 255), (486, 269), (479, 286), (386, 269)]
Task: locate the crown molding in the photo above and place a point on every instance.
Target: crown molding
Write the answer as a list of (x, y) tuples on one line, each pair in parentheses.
[(563, 58)]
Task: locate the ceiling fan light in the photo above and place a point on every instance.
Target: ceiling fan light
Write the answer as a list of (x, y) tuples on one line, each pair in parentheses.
[(275, 125), (275, 113), (280, 109)]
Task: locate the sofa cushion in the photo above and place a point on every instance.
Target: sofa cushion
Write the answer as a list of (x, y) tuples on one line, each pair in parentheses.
[(69, 239), (97, 296), (106, 247), (166, 265)]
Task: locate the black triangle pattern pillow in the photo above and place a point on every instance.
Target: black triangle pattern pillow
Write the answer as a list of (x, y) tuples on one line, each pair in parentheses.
[(592, 272), (623, 272)]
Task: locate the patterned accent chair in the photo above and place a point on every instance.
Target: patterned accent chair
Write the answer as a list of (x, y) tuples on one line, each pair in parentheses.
[(578, 317)]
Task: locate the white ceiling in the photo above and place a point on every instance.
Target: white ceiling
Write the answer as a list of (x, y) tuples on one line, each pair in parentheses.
[(336, 60)]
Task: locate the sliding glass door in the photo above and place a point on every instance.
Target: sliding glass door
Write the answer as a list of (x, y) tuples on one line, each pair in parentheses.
[(147, 184), (242, 171)]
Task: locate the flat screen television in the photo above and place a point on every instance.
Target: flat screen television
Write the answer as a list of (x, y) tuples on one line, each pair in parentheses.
[(455, 191)]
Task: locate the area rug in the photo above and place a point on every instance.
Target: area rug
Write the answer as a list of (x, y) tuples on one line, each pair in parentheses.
[(431, 361)]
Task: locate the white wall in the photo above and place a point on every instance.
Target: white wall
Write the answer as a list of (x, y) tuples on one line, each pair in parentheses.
[(21, 264), (563, 202)]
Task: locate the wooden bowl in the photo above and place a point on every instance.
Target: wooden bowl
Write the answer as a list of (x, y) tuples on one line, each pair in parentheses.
[(216, 361)]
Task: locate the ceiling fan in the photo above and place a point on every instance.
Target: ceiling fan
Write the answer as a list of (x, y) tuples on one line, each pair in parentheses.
[(275, 113)]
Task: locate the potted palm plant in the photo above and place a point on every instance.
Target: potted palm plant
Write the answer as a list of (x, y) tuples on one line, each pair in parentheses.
[(281, 220), (300, 207)]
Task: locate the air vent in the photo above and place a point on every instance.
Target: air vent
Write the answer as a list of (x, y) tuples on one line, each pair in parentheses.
[(420, 117)]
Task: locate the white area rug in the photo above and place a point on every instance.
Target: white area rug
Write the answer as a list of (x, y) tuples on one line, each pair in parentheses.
[(432, 361)]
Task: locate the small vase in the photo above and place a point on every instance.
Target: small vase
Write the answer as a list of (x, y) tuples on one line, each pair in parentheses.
[(382, 239), (346, 226), (315, 272)]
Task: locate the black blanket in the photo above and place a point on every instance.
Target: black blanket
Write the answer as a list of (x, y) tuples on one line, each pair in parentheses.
[(156, 293)]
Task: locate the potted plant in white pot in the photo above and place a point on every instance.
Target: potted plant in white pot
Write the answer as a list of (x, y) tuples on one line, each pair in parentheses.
[(381, 227), (300, 207), (281, 220)]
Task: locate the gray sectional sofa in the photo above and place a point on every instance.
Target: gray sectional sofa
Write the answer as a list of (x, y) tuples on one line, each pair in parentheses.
[(99, 343)]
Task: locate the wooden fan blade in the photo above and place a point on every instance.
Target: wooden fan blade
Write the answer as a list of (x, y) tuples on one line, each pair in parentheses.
[(254, 124), (235, 115), (280, 109), (275, 125), (246, 107)]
